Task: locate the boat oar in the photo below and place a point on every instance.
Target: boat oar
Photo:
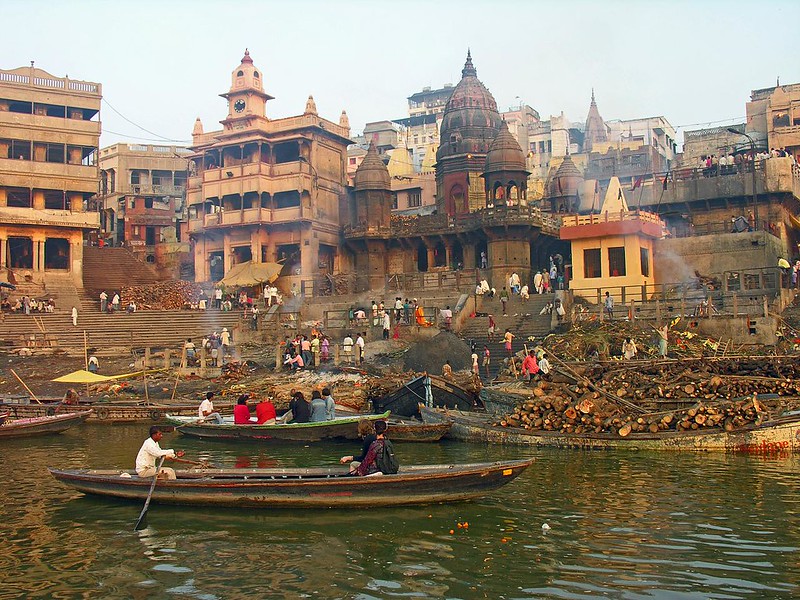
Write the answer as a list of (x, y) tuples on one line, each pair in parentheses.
[(149, 495)]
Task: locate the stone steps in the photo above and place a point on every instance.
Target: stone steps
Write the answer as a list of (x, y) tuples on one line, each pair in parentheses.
[(114, 268), (111, 334)]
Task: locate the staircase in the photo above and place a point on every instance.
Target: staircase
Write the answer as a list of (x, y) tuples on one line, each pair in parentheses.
[(523, 320), (110, 269), (111, 334)]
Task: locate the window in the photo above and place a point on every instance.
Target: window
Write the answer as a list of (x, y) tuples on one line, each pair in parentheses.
[(394, 201), (414, 199), (135, 178), (616, 262), (591, 263), (353, 161), (644, 254)]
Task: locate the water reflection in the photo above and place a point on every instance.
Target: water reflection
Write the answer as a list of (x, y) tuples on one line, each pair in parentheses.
[(622, 525)]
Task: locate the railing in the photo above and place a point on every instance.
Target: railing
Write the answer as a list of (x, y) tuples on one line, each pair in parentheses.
[(164, 190), (607, 217), (344, 319), (65, 83)]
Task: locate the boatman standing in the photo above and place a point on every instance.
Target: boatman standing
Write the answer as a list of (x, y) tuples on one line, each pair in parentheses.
[(150, 452)]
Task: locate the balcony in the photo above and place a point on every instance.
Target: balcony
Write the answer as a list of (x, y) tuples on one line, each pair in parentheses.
[(248, 216), (156, 190), (49, 218), (46, 175)]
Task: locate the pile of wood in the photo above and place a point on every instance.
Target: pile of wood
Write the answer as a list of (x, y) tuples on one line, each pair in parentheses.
[(577, 410), (164, 295), (235, 370)]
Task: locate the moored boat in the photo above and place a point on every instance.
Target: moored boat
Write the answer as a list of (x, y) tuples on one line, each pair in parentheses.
[(341, 428), (42, 425), (416, 431), (426, 389), (102, 412), (780, 435), (298, 488), (3, 417)]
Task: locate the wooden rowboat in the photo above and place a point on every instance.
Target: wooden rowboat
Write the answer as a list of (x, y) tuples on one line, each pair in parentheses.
[(42, 425), (781, 435), (415, 431), (103, 412), (301, 488), (345, 428), (428, 390)]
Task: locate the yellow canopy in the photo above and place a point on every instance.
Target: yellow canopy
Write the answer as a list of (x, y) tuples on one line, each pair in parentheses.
[(249, 273), (82, 376)]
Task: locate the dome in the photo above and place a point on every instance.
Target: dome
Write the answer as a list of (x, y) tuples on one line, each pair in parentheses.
[(505, 153), (567, 179), (372, 174), (470, 120)]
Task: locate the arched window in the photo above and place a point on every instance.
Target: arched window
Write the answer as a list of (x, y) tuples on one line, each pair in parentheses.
[(255, 74), (240, 74)]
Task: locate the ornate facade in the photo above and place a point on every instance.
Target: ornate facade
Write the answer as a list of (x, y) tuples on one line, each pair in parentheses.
[(266, 190)]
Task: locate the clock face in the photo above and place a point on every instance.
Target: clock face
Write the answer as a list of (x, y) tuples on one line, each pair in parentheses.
[(238, 106)]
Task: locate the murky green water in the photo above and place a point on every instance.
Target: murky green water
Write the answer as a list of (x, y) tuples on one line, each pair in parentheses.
[(622, 526)]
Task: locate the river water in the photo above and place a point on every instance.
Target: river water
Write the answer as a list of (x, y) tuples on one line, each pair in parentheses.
[(622, 525)]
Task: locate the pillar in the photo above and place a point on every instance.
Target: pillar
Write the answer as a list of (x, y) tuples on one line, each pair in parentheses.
[(3, 252), (3, 194), (448, 255), (75, 201), (431, 257), (38, 199), (41, 255)]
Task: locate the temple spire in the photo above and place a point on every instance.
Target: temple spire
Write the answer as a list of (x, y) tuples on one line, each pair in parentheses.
[(469, 68)]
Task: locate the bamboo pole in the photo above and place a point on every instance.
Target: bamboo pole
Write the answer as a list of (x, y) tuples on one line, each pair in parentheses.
[(25, 386)]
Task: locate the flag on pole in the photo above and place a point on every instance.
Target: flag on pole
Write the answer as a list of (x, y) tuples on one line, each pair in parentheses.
[(638, 182)]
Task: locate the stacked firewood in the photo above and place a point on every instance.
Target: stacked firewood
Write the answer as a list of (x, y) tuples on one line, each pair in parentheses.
[(164, 295), (587, 412)]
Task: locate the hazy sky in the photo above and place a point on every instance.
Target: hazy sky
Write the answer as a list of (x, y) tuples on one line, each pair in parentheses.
[(163, 63)]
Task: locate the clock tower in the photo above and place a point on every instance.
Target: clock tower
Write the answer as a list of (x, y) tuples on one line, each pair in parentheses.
[(247, 97)]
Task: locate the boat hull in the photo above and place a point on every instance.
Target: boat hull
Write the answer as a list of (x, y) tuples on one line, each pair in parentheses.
[(293, 488), (417, 432), (344, 429), (777, 436), (42, 425), (405, 401), (102, 412)]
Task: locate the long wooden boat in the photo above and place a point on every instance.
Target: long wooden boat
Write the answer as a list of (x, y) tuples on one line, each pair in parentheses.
[(345, 428), (780, 435), (3, 417), (42, 425), (428, 390), (416, 431), (303, 488), (104, 412)]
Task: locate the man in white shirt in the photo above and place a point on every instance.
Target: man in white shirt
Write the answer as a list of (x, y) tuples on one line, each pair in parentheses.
[(206, 411), (218, 298), (360, 353), (150, 452), (103, 301)]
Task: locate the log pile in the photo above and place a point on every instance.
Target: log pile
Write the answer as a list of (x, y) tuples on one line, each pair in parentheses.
[(164, 295), (577, 410)]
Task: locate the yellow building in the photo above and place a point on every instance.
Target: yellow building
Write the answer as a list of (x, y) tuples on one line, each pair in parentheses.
[(49, 135), (266, 190), (613, 250)]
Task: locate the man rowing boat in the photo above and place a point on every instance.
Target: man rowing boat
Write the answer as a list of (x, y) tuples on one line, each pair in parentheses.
[(150, 452)]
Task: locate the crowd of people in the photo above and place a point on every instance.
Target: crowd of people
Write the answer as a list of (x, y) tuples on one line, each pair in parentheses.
[(712, 165), (27, 305)]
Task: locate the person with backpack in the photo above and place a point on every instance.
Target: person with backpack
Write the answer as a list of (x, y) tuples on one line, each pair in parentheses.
[(380, 457)]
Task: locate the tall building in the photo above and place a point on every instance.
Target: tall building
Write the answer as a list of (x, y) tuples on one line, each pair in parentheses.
[(773, 115), (266, 190), (49, 136), (142, 190)]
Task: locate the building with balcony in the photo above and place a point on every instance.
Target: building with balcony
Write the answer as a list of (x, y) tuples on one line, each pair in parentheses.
[(266, 190), (774, 113), (142, 197), (49, 136)]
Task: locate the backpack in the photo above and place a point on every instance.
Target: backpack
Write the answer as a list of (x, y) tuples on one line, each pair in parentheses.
[(386, 459)]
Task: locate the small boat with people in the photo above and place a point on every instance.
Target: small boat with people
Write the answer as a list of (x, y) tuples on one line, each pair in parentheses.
[(325, 487), (129, 411), (774, 436), (16, 428), (345, 428)]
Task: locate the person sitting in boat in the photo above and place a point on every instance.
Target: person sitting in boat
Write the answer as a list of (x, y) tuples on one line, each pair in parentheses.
[(300, 408), (319, 411), (265, 412), (94, 364), (206, 411), (366, 430), (152, 451), (330, 404), (71, 397), (369, 466), (241, 412)]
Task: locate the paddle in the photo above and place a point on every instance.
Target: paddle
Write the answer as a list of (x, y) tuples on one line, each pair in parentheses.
[(149, 495)]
